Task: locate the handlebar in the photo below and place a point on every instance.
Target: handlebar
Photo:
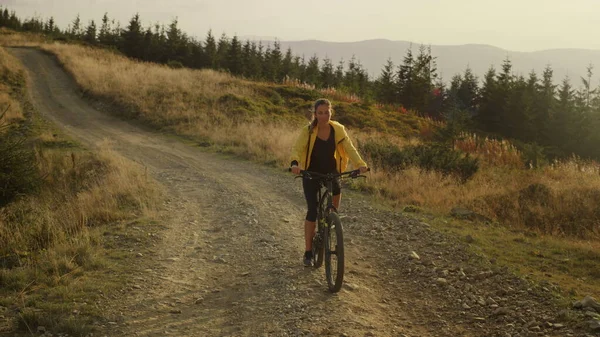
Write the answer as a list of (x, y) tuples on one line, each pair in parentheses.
[(352, 174)]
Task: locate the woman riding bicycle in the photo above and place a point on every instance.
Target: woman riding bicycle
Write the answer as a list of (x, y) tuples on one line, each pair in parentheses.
[(323, 146)]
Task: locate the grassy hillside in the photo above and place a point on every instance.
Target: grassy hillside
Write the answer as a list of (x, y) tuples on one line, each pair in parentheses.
[(540, 222), (53, 265)]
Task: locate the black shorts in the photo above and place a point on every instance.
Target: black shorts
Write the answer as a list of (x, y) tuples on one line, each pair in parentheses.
[(311, 188)]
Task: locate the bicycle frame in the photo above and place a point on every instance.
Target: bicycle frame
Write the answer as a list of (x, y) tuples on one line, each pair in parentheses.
[(328, 226)]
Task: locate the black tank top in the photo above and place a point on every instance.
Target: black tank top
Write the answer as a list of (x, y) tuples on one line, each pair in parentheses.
[(322, 158)]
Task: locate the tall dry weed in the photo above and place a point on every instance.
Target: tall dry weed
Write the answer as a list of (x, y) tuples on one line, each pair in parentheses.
[(10, 38), (80, 190)]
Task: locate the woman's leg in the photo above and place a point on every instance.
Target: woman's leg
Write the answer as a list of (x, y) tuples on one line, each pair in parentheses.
[(310, 194), (337, 194), (336, 201), (309, 233)]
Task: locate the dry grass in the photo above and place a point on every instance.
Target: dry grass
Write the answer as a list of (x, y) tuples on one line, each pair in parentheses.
[(80, 190), (186, 100), (50, 241), (492, 152), (10, 70), (157, 91), (9, 38), (52, 259)]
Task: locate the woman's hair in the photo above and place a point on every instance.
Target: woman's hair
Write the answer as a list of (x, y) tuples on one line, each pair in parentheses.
[(318, 103)]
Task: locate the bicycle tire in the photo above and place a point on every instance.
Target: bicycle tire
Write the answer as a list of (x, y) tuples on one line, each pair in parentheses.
[(334, 237), (319, 240), (318, 249)]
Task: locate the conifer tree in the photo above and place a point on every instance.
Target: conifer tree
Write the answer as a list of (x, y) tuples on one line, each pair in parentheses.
[(351, 78), (50, 27), (247, 59), (104, 36), (275, 59), (210, 50), (287, 65), (468, 92), (312, 71), (90, 33), (133, 38), (196, 54), (234, 57), (327, 74), (489, 116), (385, 88), (76, 30), (339, 74), (422, 79), (562, 126), (300, 68), (544, 106), (222, 50), (404, 85)]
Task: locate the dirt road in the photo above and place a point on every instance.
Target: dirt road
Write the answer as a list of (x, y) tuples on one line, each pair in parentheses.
[(229, 261)]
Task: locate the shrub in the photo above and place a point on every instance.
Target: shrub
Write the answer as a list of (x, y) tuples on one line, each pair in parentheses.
[(174, 64), (18, 168), (428, 157), (533, 156)]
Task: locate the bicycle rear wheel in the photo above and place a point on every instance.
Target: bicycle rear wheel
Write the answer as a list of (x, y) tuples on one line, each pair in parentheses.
[(334, 253)]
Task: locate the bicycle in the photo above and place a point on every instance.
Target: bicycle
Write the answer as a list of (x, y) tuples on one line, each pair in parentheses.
[(328, 242)]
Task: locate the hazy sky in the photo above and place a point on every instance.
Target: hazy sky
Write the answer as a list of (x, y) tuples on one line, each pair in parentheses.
[(519, 25)]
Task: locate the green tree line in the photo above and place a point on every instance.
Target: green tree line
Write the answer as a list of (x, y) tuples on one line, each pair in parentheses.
[(555, 121)]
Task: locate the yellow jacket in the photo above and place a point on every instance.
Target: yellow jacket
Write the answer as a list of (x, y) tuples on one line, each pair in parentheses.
[(344, 149)]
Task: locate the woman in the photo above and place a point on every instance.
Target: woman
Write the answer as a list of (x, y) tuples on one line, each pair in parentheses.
[(323, 146)]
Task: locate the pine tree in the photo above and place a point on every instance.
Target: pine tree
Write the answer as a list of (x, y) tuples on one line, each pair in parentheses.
[(197, 55), (258, 60), (468, 92), (222, 50), (339, 74), (246, 59), (300, 66), (587, 93), (266, 66), (562, 126), (454, 102), (133, 38), (351, 77), (104, 34), (501, 97), (210, 49), (76, 30), (489, 115), (90, 33), (275, 59), (544, 107), (234, 57), (50, 28), (312, 71), (385, 88), (327, 74), (422, 79), (404, 85), (177, 46), (517, 114), (287, 65)]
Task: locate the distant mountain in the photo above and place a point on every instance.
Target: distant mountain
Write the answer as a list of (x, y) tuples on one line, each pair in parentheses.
[(373, 54)]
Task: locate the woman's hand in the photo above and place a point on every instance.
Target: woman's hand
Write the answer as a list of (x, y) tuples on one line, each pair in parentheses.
[(295, 169), (363, 169)]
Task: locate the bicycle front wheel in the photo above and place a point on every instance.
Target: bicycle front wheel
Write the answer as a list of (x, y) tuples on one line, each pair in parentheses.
[(334, 253)]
